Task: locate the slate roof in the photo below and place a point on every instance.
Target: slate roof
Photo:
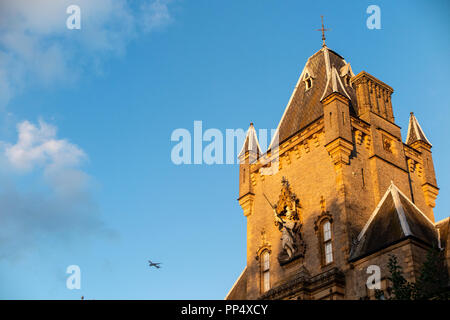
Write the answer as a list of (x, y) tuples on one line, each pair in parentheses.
[(394, 219), (251, 142), (239, 289), (327, 69), (415, 132)]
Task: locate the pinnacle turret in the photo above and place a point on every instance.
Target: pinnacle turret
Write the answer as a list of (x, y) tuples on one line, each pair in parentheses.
[(251, 143), (415, 132)]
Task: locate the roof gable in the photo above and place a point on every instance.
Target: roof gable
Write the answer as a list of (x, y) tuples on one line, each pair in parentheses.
[(394, 219)]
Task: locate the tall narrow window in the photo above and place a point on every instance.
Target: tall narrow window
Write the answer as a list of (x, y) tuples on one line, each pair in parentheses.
[(362, 176), (308, 81), (328, 247), (265, 273)]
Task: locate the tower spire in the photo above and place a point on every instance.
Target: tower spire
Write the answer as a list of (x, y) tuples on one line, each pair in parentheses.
[(251, 143), (415, 132), (323, 32)]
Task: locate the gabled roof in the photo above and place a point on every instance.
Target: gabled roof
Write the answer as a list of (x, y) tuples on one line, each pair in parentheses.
[(415, 132), (327, 70), (394, 219), (239, 289), (251, 143)]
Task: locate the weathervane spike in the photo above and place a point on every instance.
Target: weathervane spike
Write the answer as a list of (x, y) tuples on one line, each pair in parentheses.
[(323, 32)]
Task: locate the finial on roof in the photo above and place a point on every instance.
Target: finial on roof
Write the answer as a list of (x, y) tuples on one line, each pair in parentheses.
[(323, 32)]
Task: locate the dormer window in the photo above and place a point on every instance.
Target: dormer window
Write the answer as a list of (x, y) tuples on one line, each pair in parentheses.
[(346, 74), (347, 80), (308, 81)]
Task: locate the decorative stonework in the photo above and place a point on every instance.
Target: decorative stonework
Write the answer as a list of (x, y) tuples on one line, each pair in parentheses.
[(419, 170), (315, 138), (306, 146), (246, 203), (324, 215), (388, 144), (411, 165), (288, 219), (358, 136), (303, 285), (367, 140), (373, 95), (340, 151), (297, 151), (265, 245), (430, 193), (253, 179), (288, 158)]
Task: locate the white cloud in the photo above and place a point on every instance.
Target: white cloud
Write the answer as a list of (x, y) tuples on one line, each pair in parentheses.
[(38, 146), (47, 199), (155, 15), (37, 48)]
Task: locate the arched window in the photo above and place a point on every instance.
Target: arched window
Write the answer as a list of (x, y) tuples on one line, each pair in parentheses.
[(327, 242), (265, 270)]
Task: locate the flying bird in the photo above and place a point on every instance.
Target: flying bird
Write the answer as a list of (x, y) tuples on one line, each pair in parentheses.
[(154, 264)]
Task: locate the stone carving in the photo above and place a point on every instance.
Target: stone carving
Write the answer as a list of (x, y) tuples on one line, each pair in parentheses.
[(288, 219), (323, 215), (265, 245)]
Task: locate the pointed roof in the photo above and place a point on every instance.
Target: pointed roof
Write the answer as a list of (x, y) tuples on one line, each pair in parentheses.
[(334, 82), (239, 289), (394, 219), (326, 69), (415, 132), (251, 143)]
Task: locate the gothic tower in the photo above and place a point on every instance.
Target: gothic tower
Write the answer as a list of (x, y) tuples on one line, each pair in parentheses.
[(337, 190)]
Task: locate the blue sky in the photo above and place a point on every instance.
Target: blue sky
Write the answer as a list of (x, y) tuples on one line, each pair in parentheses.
[(90, 182)]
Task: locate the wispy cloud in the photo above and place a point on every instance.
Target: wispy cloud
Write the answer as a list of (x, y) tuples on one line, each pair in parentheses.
[(39, 146), (37, 48), (44, 194)]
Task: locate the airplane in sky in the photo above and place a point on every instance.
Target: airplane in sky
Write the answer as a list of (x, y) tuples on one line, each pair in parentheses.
[(154, 264)]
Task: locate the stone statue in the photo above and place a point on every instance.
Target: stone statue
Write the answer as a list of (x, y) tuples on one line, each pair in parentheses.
[(288, 220), (289, 228)]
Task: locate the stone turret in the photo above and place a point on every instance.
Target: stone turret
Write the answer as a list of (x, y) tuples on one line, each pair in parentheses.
[(424, 168), (248, 155)]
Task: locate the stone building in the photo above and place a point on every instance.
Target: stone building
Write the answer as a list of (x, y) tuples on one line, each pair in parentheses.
[(337, 191)]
